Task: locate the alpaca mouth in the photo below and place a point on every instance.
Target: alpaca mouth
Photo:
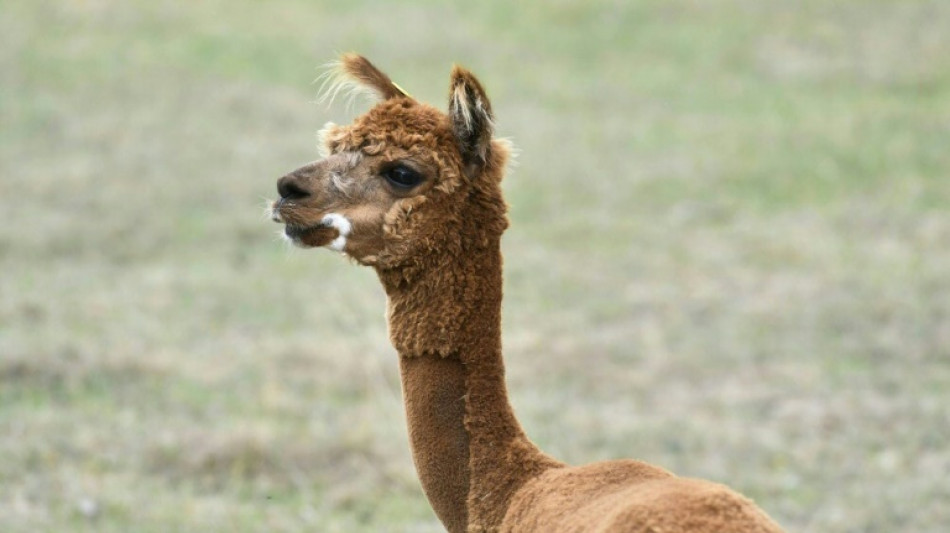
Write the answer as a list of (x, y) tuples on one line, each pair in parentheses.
[(332, 231), (297, 232), (321, 234)]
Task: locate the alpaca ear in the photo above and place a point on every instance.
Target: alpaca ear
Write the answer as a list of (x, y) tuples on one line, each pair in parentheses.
[(354, 74), (472, 119)]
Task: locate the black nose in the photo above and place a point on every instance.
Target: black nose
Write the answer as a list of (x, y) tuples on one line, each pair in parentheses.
[(289, 188)]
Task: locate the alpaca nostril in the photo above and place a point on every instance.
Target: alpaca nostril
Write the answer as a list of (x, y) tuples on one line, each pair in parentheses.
[(288, 189)]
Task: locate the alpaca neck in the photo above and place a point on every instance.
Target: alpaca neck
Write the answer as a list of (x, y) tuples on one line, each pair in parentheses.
[(467, 445)]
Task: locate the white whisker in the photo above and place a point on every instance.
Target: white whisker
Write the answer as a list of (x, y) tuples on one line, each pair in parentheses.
[(267, 213), (335, 81)]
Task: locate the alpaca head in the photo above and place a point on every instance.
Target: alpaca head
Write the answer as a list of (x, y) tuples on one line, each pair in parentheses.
[(404, 180)]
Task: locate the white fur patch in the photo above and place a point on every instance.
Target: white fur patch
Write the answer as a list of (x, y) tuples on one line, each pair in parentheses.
[(323, 139), (342, 225), (338, 166), (460, 99)]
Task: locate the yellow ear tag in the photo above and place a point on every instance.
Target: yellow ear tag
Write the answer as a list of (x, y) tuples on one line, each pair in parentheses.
[(403, 91)]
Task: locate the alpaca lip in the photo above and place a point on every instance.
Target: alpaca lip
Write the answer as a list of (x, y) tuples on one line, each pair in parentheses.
[(275, 210), (297, 232), (321, 234), (294, 232)]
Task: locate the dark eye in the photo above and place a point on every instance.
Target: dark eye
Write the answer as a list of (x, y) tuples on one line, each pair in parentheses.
[(402, 177)]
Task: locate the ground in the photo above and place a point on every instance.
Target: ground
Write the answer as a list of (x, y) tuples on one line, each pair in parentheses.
[(728, 256)]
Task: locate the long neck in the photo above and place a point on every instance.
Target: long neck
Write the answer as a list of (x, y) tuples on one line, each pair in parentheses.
[(469, 450)]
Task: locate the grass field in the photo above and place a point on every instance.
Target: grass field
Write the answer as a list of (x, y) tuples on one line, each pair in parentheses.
[(729, 255)]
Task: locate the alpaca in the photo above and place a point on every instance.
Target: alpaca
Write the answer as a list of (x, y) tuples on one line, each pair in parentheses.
[(415, 193)]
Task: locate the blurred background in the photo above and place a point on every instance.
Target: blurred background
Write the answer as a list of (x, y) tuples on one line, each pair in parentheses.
[(728, 256)]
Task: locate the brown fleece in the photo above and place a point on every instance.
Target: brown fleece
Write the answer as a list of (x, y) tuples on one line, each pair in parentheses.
[(435, 245), (630, 496), (439, 442)]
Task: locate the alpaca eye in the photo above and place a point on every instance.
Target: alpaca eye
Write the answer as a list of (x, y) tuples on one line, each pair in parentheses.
[(402, 177)]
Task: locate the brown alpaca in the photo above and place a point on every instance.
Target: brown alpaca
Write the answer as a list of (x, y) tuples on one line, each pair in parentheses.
[(415, 193)]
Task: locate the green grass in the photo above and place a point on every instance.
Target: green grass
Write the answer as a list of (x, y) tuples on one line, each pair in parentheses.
[(728, 256)]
